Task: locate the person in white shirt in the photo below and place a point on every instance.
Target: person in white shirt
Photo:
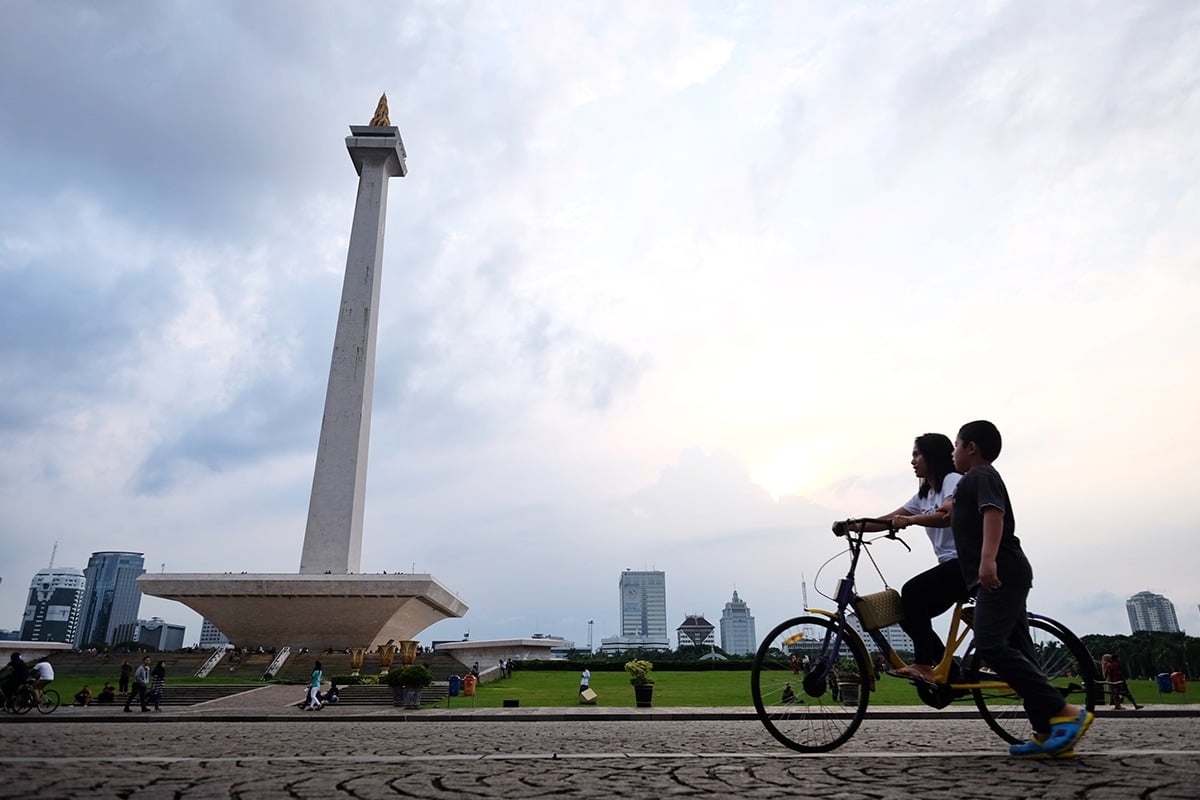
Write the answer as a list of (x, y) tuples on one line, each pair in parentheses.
[(935, 590), (584, 680), (43, 674)]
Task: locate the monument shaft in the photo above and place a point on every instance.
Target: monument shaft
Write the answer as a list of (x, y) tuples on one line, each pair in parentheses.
[(333, 536)]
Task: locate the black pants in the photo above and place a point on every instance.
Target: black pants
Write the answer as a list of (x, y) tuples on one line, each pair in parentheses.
[(139, 691), (1003, 642), (924, 597)]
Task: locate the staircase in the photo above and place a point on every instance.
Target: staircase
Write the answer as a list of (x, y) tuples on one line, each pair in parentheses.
[(211, 663), (380, 695), (191, 695), (280, 658)]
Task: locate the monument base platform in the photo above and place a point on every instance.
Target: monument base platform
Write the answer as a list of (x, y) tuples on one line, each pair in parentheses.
[(313, 611)]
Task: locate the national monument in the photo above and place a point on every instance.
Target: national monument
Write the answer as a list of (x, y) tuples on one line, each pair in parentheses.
[(328, 604)]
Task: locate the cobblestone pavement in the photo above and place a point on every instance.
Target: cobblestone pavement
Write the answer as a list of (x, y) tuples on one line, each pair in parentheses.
[(311, 757)]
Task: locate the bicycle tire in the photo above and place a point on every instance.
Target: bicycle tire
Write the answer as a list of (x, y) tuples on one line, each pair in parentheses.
[(813, 722), (24, 702), (1062, 657), (48, 702)]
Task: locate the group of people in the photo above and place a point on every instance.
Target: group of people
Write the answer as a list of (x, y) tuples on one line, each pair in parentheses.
[(1113, 672), (84, 696), (964, 506), (314, 700), (148, 684)]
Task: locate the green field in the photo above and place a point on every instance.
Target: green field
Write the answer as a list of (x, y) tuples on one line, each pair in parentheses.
[(683, 689), (696, 689)]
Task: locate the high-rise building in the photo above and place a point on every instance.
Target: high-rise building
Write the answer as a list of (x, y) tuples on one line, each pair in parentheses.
[(643, 613), (113, 596), (695, 631), (55, 599), (737, 628), (211, 636), (644, 603), (1151, 612)]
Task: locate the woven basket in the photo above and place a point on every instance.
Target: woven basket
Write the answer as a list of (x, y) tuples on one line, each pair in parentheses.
[(879, 610)]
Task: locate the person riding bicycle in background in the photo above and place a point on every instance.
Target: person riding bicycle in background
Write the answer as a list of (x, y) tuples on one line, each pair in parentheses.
[(18, 676), (44, 674), (935, 590)]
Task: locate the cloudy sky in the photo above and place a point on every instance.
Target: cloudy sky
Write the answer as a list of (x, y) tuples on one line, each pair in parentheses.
[(668, 285)]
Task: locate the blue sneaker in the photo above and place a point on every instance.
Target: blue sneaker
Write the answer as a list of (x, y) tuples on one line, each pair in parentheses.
[(1066, 731), (1035, 748)]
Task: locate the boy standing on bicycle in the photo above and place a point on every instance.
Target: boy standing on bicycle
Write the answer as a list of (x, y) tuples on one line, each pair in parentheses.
[(992, 560)]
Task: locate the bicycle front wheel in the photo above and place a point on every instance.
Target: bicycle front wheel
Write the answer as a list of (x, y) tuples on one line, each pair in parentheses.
[(48, 701), (810, 711), (1063, 658), (24, 701)]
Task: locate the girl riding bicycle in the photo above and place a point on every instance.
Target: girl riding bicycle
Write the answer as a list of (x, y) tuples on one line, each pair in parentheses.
[(935, 590)]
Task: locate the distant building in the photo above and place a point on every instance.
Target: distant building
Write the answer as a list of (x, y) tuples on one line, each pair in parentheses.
[(154, 634), (1151, 612), (737, 628), (113, 596), (560, 648), (52, 612), (643, 611), (893, 634), (211, 636), (10, 636), (696, 631)]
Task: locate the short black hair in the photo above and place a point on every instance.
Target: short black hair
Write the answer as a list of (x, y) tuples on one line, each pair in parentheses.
[(985, 435)]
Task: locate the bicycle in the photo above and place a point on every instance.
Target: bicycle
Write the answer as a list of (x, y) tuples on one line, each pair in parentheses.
[(816, 715), (26, 698)]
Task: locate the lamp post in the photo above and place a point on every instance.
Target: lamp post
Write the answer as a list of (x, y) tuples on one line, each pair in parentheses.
[(590, 623)]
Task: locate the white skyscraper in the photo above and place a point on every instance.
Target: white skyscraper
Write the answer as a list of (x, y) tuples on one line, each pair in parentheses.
[(1151, 612), (643, 613), (55, 600), (737, 628)]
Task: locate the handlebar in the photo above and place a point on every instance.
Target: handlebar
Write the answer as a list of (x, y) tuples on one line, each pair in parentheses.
[(845, 527)]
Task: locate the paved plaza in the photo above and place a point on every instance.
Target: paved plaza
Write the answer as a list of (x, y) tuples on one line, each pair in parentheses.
[(224, 751)]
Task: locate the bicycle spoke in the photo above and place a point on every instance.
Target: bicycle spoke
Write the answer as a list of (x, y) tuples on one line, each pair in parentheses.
[(806, 711)]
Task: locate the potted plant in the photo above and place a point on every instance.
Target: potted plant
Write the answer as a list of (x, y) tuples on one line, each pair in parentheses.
[(848, 681), (641, 676), (407, 683)]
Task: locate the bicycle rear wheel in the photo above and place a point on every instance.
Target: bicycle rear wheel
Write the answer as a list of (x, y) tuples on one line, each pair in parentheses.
[(799, 709), (48, 701), (1066, 662)]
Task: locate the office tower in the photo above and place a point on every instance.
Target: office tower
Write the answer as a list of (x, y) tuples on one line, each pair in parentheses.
[(1151, 612), (154, 634), (211, 636), (55, 599), (113, 596), (695, 631), (737, 628), (644, 604)]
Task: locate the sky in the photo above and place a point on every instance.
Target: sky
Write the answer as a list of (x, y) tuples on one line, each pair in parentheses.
[(668, 285)]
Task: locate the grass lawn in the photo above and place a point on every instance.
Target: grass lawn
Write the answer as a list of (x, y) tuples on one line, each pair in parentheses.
[(683, 689)]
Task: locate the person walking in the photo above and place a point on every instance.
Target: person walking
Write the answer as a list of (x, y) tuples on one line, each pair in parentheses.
[(159, 676), (314, 688), (141, 679)]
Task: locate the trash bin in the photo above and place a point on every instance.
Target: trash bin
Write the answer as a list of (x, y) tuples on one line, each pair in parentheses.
[(1164, 682), (1179, 682), (469, 686), (455, 685)]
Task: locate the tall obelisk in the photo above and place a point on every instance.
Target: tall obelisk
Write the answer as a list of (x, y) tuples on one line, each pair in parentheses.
[(325, 605), (333, 536)]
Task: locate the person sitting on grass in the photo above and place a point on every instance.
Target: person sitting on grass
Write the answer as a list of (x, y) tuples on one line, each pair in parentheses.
[(83, 697), (107, 695)]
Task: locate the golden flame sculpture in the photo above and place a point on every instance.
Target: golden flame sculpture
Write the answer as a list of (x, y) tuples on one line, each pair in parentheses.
[(381, 120)]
